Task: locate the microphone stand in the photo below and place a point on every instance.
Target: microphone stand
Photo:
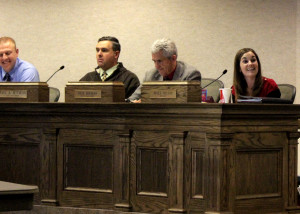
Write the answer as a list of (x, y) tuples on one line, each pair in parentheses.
[(62, 67), (224, 72)]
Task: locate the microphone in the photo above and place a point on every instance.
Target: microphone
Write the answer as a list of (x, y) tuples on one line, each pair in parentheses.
[(224, 72), (62, 67)]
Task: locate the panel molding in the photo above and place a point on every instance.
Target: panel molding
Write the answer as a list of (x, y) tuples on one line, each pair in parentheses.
[(177, 202), (122, 172)]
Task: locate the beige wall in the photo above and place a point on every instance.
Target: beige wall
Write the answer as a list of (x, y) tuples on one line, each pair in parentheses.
[(298, 54), (298, 70)]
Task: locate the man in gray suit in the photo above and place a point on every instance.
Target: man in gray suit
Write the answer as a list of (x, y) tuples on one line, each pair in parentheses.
[(164, 56)]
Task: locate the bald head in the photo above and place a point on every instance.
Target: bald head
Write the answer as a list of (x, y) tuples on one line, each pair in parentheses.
[(8, 40), (8, 53)]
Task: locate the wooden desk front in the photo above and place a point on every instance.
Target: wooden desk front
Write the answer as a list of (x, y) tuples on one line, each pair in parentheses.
[(233, 158)]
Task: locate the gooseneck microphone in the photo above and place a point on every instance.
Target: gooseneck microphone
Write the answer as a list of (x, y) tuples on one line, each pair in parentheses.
[(62, 67), (224, 72)]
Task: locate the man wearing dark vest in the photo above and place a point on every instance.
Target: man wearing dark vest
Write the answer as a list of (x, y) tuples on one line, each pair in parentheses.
[(109, 69)]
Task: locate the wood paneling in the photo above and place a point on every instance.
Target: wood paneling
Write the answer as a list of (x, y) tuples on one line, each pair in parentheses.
[(152, 171), (85, 163), (156, 158), (122, 172), (98, 174), (19, 155), (149, 171)]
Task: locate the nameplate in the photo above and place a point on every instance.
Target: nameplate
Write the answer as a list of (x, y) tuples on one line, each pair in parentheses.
[(13, 93), (168, 93), (87, 94)]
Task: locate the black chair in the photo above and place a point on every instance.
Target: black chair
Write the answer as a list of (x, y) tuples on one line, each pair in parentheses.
[(54, 94), (287, 91), (212, 89)]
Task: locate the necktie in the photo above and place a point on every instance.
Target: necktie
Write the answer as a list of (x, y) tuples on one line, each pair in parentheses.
[(7, 77), (103, 77), (166, 78)]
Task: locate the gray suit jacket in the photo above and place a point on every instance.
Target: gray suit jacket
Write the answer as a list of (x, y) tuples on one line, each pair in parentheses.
[(183, 72)]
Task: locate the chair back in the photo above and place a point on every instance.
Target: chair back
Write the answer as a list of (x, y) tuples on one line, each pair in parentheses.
[(287, 91), (54, 94), (212, 89)]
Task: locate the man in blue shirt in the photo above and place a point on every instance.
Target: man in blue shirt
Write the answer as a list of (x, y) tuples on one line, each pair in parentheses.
[(13, 69)]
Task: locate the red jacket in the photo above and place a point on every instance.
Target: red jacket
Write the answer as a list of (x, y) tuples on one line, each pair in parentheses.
[(269, 85)]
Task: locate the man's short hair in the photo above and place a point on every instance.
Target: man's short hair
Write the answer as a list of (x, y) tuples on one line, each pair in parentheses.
[(5, 39), (114, 40), (165, 45)]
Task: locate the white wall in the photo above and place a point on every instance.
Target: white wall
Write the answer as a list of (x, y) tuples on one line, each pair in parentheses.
[(208, 33)]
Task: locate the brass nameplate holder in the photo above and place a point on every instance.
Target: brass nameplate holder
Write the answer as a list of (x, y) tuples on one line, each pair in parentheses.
[(161, 93), (87, 94), (13, 94)]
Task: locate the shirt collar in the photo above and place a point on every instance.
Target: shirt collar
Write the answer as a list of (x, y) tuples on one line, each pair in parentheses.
[(170, 76), (12, 72), (109, 72)]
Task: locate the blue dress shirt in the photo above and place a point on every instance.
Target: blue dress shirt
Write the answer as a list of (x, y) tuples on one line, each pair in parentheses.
[(22, 72)]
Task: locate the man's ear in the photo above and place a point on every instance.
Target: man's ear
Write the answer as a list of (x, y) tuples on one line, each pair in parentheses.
[(174, 57), (117, 54)]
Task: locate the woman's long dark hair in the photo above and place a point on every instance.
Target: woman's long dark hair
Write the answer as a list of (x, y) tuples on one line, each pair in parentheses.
[(239, 81)]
